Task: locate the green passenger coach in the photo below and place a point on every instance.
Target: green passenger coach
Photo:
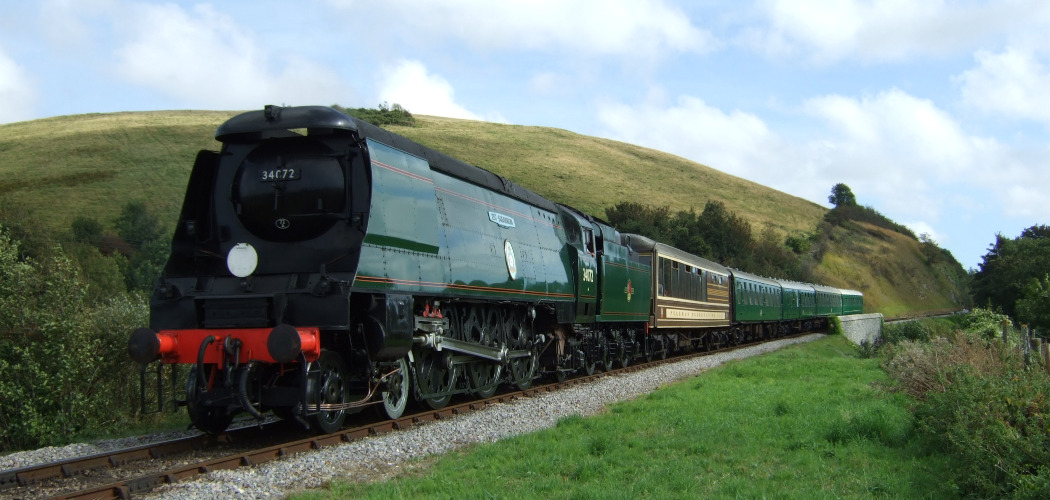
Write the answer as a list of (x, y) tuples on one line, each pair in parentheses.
[(852, 302), (756, 299)]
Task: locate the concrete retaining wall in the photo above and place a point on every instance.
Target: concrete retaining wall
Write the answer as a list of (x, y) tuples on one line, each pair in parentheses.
[(862, 327)]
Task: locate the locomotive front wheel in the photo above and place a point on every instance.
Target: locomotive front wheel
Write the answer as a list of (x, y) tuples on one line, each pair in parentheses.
[(208, 419), (395, 399), (331, 387)]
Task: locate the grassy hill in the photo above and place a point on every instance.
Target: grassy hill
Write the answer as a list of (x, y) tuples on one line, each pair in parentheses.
[(91, 165)]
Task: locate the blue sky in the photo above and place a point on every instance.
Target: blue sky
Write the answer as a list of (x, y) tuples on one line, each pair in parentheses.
[(935, 113)]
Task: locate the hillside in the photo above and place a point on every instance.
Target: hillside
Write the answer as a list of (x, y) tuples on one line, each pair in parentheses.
[(63, 167)]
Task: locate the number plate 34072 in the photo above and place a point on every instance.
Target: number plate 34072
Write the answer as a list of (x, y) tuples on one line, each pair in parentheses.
[(280, 174)]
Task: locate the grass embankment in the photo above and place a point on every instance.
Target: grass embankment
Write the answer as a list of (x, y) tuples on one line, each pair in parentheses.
[(805, 422), (890, 269), (91, 165)]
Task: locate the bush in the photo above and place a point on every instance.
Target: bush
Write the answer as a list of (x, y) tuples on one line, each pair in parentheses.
[(835, 326), (997, 427), (64, 364), (985, 323), (384, 114), (975, 401), (896, 333)]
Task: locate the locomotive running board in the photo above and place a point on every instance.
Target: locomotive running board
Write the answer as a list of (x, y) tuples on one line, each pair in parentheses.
[(499, 354)]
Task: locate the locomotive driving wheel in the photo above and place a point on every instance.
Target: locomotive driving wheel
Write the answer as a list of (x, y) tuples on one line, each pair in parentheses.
[(435, 379), (208, 419), (522, 368), (484, 375), (395, 398), (622, 357), (328, 385)]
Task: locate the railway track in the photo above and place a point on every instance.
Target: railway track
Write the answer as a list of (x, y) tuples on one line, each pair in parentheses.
[(136, 471)]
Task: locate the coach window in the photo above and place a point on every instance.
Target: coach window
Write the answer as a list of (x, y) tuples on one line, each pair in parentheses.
[(665, 277), (675, 286), (705, 277)]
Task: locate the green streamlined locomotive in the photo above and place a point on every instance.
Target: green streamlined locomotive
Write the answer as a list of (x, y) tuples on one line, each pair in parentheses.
[(321, 265)]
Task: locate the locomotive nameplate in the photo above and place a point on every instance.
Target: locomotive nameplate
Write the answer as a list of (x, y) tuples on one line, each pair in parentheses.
[(501, 220)]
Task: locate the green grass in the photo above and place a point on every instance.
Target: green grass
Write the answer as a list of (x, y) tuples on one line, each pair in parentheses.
[(805, 422)]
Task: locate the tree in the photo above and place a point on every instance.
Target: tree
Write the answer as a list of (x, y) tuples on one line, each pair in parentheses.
[(142, 230), (1033, 308), (87, 230), (137, 226), (728, 234), (1009, 266), (842, 196), (63, 360), (929, 248)]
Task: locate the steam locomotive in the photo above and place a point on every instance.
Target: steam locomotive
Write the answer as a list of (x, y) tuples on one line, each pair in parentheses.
[(322, 265)]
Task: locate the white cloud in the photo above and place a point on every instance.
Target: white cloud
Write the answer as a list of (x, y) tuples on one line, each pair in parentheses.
[(204, 58), (913, 130), (409, 84), (899, 153), (633, 28), (17, 94), (1013, 83), (905, 152), (738, 143), (887, 29)]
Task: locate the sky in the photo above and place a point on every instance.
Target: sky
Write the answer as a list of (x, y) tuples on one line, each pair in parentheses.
[(935, 113)]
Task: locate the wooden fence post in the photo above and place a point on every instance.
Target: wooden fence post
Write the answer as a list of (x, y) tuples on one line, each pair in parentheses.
[(1037, 347), (1046, 356), (1006, 324), (1027, 348)]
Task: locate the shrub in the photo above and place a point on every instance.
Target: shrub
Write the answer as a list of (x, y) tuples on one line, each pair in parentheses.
[(896, 333), (63, 364), (996, 426), (834, 326), (985, 323), (920, 367), (383, 114), (975, 401)]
